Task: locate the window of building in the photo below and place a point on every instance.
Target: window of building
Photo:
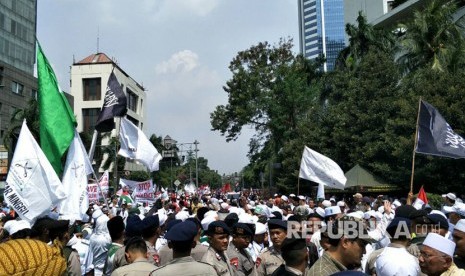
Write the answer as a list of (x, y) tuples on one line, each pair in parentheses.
[(34, 93), (89, 118), (141, 106), (1, 76), (17, 88), (132, 100), (133, 120), (92, 89)]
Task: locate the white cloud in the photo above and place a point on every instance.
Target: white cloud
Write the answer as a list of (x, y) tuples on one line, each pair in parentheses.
[(183, 61)]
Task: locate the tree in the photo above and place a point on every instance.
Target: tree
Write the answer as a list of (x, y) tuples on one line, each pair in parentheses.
[(31, 115), (363, 37), (432, 39), (270, 90)]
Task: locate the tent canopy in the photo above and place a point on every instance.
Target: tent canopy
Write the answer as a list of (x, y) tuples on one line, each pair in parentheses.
[(360, 178)]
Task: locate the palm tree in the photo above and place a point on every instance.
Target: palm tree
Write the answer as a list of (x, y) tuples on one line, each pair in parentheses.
[(31, 115), (363, 37), (431, 39)]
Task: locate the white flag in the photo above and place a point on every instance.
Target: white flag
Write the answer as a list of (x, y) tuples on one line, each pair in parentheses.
[(77, 168), (320, 169), (32, 186), (135, 145), (104, 182)]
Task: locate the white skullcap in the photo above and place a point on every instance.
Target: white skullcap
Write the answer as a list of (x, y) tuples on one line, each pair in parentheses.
[(358, 214), (333, 210), (182, 215), (283, 197), (213, 214), (460, 226), (301, 197), (369, 214), (396, 203), (438, 213), (332, 199), (162, 217), (220, 201), (236, 210), (292, 195), (246, 218), (341, 204), (13, 226), (224, 205), (440, 243), (320, 211), (451, 196), (260, 228), (326, 203), (206, 221), (97, 213)]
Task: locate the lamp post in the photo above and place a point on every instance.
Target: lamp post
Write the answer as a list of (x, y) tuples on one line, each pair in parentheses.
[(168, 143), (196, 150)]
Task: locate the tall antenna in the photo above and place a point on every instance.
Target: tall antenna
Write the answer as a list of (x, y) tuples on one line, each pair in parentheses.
[(98, 38)]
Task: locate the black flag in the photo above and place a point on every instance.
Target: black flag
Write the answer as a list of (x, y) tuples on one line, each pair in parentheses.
[(435, 136), (114, 104)]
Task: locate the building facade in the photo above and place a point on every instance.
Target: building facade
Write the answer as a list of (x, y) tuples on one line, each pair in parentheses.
[(322, 25), (17, 58)]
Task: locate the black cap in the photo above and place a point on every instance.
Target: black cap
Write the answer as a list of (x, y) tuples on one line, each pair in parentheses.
[(439, 220), (293, 244), (218, 227), (398, 226), (277, 223), (405, 211), (242, 229), (150, 222), (115, 225), (277, 215), (181, 232), (231, 219), (133, 226), (172, 223)]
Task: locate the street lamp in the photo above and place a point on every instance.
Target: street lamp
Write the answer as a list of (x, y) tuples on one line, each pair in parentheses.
[(169, 144)]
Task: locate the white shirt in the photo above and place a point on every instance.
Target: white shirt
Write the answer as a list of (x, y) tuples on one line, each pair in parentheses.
[(396, 261)]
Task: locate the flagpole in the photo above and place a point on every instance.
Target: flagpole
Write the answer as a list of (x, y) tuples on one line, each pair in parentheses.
[(414, 147), (117, 128), (298, 185), (92, 146)]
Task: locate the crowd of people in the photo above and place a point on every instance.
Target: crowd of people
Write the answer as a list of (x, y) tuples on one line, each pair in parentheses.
[(240, 234)]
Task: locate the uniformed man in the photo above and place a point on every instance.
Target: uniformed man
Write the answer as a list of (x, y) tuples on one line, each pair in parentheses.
[(181, 239), (136, 252), (218, 237), (133, 229), (270, 259), (295, 255), (239, 259)]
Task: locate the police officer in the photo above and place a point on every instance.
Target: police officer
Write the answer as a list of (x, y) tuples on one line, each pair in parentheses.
[(294, 252), (181, 239), (218, 237), (239, 259), (270, 259), (136, 253)]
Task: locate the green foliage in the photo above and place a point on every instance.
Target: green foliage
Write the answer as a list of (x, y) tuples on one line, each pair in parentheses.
[(139, 176), (31, 115)]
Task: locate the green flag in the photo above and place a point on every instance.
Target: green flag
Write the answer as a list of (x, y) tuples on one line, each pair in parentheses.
[(57, 121)]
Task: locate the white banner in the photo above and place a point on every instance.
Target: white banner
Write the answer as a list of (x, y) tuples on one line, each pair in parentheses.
[(77, 168), (32, 186), (104, 182), (144, 192), (321, 169)]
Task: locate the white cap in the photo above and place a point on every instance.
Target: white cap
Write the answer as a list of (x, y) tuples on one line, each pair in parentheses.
[(396, 203), (301, 197), (13, 226), (438, 213), (332, 199), (357, 214), (440, 243), (260, 228), (224, 205), (183, 215), (369, 214), (458, 208), (283, 197), (320, 211), (206, 221), (246, 218), (211, 214), (326, 203), (252, 203), (341, 203), (97, 213), (460, 226), (292, 195), (450, 196), (333, 210)]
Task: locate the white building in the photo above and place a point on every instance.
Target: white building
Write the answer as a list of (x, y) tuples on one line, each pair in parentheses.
[(89, 78)]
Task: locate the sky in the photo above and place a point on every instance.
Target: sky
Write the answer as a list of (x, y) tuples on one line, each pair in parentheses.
[(179, 50)]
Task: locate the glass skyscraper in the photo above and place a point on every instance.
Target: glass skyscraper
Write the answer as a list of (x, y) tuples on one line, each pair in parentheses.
[(321, 26)]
